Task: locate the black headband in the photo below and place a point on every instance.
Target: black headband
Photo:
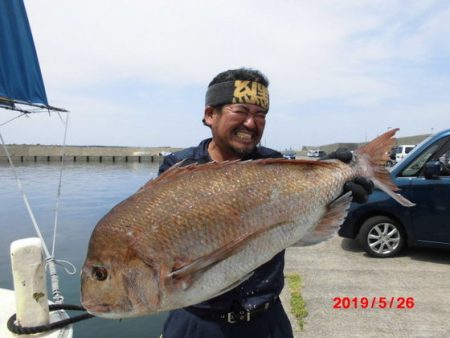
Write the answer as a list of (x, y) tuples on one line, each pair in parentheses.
[(237, 92)]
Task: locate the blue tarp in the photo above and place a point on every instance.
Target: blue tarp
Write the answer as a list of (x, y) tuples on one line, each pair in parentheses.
[(20, 75)]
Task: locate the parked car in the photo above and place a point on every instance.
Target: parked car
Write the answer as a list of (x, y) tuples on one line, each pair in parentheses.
[(402, 150), (384, 227), (316, 153), (290, 155), (398, 153), (391, 161)]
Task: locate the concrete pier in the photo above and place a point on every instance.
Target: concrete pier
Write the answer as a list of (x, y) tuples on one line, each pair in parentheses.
[(50, 153), (84, 154), (84, 159)]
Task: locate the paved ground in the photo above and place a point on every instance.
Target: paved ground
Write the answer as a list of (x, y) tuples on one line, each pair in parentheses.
[(339, 268)]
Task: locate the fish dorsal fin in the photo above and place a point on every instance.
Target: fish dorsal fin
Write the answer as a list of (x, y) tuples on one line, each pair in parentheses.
[(330, 221), (285, 161), (179, 169), (186, 274)]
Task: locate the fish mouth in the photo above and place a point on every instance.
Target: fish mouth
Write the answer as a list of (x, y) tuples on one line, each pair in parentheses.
[(99, 308), (107, 311)]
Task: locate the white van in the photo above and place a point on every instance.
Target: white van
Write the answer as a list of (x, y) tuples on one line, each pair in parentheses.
[(402, 151), (316, 153)]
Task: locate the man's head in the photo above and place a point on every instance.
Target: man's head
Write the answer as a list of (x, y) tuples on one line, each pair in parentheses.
[(237, 102)]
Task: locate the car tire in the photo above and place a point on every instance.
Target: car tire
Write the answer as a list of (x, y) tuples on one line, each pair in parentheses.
[(382, 237)]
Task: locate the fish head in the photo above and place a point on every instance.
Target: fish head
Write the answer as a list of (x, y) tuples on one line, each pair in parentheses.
[(116, 282)]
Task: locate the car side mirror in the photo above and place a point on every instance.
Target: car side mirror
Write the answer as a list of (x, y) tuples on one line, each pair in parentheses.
[(432, 170)]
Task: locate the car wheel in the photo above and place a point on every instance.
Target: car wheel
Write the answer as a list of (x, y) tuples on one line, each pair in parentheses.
[(382, 236)]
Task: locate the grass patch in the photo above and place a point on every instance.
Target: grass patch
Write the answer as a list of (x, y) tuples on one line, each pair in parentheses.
[(298, 306)]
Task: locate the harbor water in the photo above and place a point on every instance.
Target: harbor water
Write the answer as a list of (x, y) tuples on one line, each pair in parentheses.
[(89, 191)]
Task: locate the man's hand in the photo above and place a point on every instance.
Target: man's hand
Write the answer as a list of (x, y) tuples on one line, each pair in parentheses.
[(341, 154), (360, 187)]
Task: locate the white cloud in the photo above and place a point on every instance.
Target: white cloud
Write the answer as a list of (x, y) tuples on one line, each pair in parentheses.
[(369, 56)]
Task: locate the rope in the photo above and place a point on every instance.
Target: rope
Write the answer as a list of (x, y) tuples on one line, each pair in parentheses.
[(6, 122), (51, 262), (14, 328), (56, 292), (58, 195)]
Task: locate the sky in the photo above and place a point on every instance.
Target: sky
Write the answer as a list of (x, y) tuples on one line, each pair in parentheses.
[(135, 72)]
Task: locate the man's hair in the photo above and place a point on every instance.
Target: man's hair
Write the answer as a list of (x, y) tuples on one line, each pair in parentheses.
[(244, 74)]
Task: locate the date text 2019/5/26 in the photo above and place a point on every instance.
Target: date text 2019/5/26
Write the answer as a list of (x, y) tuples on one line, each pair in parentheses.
[(373, 303)]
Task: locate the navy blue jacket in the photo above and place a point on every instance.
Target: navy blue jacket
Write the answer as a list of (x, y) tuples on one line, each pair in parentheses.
[(268, 280)]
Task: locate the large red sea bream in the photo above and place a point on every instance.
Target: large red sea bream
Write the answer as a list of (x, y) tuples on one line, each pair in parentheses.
[(197, 231)]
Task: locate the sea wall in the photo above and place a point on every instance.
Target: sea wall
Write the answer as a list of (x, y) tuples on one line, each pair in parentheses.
[(24, 153)]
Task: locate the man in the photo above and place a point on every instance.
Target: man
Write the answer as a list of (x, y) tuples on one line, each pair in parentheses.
[(237, 102)]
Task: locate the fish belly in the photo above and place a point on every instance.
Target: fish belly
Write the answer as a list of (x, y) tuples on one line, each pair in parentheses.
[(255, 253)]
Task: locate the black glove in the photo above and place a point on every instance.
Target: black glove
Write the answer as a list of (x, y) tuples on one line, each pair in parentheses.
[(341, 154), (360, 187)]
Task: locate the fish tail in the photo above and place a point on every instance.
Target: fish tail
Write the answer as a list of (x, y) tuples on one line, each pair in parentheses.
[(373, 158)]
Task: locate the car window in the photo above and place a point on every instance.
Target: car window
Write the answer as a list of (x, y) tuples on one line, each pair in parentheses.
[(414, 168), (408, 149), (445, 160)]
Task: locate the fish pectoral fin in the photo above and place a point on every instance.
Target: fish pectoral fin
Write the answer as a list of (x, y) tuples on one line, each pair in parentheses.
[(384, 186), (207, 261), (330, 221)]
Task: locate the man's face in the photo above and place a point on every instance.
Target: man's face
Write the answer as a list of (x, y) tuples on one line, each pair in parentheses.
[(238, 128)]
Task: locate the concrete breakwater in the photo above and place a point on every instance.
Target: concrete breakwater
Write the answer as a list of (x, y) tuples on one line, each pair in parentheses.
[(40, 153), (25, 153)]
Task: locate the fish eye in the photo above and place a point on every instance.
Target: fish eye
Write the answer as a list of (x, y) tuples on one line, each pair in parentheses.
[(99, 273)]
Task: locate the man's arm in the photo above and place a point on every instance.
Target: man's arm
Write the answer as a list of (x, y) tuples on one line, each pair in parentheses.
[(171, 159), (168, 161)]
